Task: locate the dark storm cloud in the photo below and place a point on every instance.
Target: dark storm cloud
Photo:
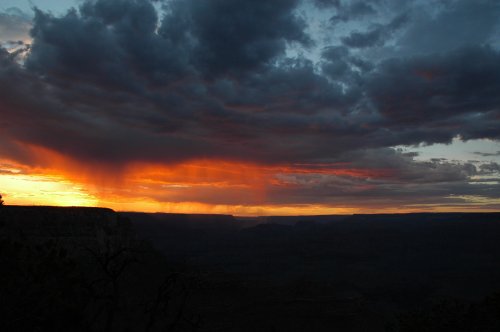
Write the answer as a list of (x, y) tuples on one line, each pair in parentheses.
[(490, 168), (453, 93), (352, 11), (110, 44), (115, 82), (341, 65), (404, 169), (460, 23), (230, 37), (327, 3), (106, 68), (376, 36)]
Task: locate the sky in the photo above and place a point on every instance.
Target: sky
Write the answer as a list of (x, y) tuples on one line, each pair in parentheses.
[(251, 107)]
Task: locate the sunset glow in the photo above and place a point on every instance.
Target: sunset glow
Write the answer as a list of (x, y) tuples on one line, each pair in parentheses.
[(241, 188), (291, 107), (219, 187)]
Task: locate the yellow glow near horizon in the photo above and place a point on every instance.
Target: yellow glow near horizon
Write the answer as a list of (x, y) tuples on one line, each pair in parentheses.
[(37, 189), (21, 189), (150, 206), (210, 187)]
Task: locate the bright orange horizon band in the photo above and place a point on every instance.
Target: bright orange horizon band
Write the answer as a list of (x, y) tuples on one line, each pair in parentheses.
[(202, 186)]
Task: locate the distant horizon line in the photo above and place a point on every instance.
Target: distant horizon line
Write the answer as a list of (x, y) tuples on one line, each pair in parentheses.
[(247, 216)]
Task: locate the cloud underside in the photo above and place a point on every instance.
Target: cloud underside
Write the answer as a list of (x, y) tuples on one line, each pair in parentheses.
[(117, 82)]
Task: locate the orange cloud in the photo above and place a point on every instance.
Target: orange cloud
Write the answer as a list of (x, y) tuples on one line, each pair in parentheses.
[(196, 186), (203, 186)]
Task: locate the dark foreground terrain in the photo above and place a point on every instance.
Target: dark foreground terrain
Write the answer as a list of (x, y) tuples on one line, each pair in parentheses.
[(84, 269)]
